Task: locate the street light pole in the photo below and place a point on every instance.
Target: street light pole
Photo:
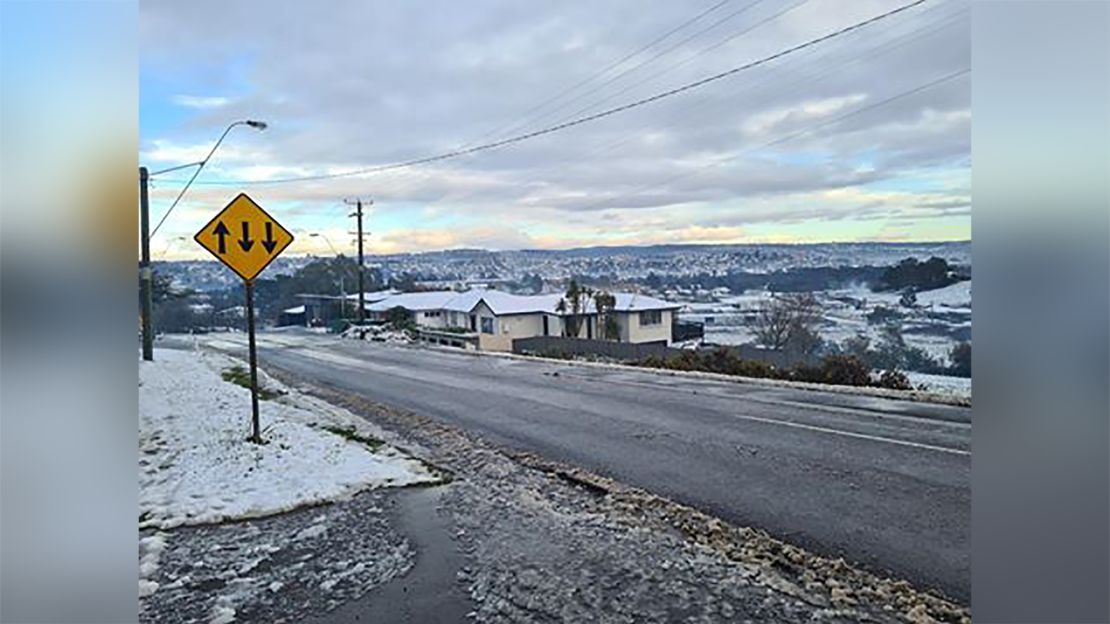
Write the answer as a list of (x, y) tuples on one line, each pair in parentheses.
[(146, 275), (342, 288)]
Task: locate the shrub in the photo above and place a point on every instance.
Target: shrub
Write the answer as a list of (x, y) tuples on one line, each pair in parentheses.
[(556, 353), (881, 315), (720, 360), (651, 361), (755, 368), (961, 359), (847, 370), (895, 380), (687, 361), (801, 372)]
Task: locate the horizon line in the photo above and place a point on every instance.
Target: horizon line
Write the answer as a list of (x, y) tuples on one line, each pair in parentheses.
[(587, 247)]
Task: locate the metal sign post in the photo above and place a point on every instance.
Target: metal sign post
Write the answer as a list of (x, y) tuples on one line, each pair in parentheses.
[(256, 437), (247, 239)]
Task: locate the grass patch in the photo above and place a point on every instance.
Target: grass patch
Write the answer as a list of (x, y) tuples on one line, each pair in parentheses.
[(242, 377), (349, 433)]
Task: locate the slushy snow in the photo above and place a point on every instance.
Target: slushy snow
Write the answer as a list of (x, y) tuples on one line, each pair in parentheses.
[(196, 465)]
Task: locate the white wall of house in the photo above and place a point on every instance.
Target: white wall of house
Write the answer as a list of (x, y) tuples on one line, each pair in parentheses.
[(435, 319), (642, 328), (486, 319), (520, 325), (453, 318)]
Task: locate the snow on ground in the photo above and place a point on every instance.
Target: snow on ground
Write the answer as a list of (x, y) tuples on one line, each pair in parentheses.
[(376, 332), (940, 319), (942, 384), (957, 296), (196, 465)]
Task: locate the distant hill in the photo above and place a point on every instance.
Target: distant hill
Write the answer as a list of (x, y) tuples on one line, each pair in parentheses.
[(608, 264)]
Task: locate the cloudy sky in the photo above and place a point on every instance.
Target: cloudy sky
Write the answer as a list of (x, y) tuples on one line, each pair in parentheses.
[(863, 137)]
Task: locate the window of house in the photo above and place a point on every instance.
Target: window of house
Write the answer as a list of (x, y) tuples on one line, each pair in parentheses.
[(651, 317), (487, 325)]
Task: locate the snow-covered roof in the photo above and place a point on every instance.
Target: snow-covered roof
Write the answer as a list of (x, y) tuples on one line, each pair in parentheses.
[(504, 304), (635, 302), (294, 310), (377, 295), (430, 300)]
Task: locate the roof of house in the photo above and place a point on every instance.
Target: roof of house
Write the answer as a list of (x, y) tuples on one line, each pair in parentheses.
[(503, 303), (416, 301), (376, 295)]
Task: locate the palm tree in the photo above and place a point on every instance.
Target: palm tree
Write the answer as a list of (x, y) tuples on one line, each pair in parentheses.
[(578, 297), (607, 326)]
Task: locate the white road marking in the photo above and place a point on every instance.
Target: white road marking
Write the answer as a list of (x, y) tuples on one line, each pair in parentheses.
[(852, 434)]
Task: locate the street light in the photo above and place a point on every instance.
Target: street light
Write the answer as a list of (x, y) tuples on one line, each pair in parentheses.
[(173, 241), (145, 274), (342, 286), (326, 239)]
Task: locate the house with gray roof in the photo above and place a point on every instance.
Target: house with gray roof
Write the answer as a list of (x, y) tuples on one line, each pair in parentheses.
[(498, 318)]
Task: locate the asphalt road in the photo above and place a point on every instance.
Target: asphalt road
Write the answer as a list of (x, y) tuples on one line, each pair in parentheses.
[(883, 483)]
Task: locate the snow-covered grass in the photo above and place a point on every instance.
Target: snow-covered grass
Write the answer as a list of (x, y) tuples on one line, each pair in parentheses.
[(945, 385), (196, 465), (379, 333), (935, 324)]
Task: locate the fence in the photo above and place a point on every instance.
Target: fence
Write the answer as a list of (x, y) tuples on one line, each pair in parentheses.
[(687, 330), (558, 345), (452, 339)]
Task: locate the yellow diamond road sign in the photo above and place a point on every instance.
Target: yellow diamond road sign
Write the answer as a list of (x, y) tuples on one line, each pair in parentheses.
[(244, 237)]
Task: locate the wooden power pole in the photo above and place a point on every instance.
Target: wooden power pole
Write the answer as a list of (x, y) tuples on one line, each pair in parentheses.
[(358, 203)]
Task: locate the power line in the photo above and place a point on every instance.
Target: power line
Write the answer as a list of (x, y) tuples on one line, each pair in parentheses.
[(601, 73), (652, 77), (582, 120), (628, 71), (804, 79), (529, 118), (794, 135)]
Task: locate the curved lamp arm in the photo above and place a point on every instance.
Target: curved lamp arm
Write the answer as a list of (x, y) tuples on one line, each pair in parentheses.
[(257, 125)]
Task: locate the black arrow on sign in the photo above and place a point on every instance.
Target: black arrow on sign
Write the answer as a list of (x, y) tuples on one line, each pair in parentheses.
[(221, 232), (269, 243), (246, 243)]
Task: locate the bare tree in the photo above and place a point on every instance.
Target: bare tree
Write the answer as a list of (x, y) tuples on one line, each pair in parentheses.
[(789, 321)]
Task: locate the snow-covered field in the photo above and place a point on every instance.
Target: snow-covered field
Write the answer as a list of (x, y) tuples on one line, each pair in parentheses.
[(196, 465), (936, 323), (946, 385)]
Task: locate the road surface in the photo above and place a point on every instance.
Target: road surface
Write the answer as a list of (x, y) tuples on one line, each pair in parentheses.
[(883, 483)]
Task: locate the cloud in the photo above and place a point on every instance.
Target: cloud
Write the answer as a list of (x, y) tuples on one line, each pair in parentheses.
[(202, 102), (363, 84)]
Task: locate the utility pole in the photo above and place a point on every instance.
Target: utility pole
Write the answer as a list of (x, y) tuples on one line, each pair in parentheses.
[(146, 277), (361, 286)]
